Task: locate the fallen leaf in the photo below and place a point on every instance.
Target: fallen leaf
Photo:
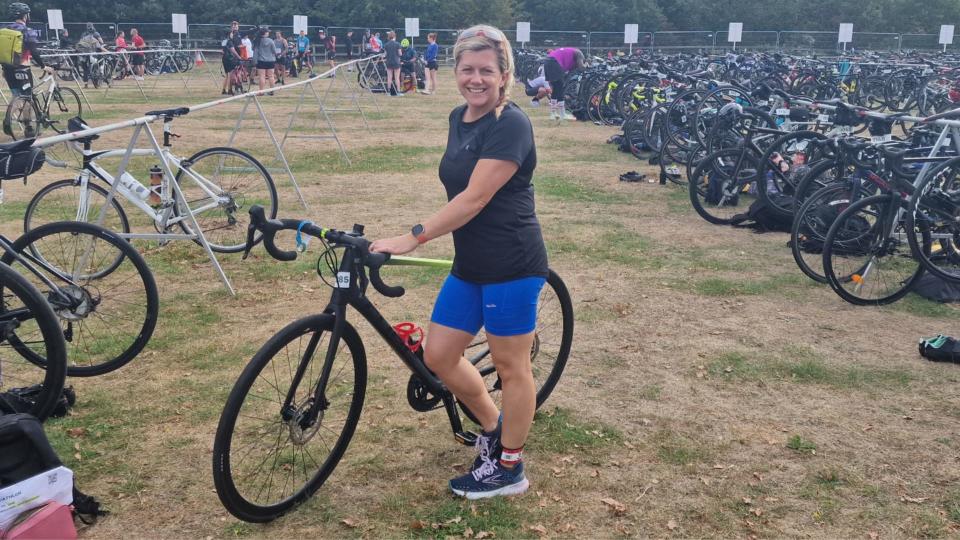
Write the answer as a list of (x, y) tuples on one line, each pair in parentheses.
[(418, 524), (873, 535), (77, 456), (616, 506), (718, 466), (915, 500), (705, 480), (350, 522), (868, 428), (747, 500), (671, 524), (539, 529), (76, 432), (457, 519), (595, 473), (757, 476), (757, 512), (484, 534), (468, 533)]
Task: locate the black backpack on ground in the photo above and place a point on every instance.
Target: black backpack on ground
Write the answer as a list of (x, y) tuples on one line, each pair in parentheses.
[(22, 400), (25, 452), (762, 218)]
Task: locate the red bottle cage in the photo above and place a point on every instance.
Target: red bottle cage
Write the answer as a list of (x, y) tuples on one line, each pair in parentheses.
[(408, 330)]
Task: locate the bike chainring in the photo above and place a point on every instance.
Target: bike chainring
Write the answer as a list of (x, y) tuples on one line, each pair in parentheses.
[(419, 396)]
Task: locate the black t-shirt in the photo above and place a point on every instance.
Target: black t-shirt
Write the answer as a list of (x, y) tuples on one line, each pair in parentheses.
[(392, 48), (503, 242)]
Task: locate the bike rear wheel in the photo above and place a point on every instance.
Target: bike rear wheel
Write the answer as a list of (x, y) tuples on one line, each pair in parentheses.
[(242, 182), (28, 332), (64, 104), (552, 341), (267, 460), (22, 121)]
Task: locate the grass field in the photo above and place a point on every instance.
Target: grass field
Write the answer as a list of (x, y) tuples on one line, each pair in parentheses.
[(712, 390)]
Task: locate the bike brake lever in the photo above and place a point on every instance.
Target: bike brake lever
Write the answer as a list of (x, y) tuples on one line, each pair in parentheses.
[(251, 231)]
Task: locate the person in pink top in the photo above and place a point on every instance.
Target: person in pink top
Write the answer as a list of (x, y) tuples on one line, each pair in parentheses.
[(558, 63)]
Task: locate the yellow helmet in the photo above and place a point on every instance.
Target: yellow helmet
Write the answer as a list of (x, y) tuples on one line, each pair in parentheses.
[(405, 43)]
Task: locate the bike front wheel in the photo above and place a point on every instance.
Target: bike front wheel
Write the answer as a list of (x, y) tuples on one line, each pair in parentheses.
[(64, 104), (552, 340), (237, 181), (269, 457), (103, 293)]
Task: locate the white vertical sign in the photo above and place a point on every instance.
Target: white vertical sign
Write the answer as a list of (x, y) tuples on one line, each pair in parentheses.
[(735, 32), (55, 19), (179, 23), (630, 33), (411, 25), (523, 32), (300, 23), (946, 34), (846, 33)]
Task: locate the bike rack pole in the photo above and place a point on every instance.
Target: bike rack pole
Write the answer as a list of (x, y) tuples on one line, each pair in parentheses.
[(280, 155)]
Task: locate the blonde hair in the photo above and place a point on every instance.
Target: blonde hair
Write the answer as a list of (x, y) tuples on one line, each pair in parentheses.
[(479, 40), (391, 35)]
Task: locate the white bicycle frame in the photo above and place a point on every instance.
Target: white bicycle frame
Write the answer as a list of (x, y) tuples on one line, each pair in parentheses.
[(170, 189)]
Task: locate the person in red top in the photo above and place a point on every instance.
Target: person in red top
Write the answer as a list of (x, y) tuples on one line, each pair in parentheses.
[(121, 41), (138, 59)]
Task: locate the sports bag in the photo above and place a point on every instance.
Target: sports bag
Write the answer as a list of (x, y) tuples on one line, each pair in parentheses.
[(11, 46)]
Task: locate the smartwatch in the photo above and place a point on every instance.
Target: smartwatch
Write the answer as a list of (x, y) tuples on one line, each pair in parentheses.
[(417, 232)]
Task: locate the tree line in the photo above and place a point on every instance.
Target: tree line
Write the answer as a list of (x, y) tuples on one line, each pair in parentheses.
[(594, 15)]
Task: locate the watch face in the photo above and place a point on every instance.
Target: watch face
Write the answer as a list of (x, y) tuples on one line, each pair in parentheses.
[(417, 230)]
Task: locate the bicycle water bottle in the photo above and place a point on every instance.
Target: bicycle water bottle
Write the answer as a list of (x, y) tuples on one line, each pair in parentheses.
[(156, 179), (133, 186)]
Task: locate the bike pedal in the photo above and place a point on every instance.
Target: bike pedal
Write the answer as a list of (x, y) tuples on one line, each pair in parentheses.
[(466, 438)]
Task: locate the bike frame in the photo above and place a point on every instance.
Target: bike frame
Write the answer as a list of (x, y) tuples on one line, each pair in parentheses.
[(353, 295)]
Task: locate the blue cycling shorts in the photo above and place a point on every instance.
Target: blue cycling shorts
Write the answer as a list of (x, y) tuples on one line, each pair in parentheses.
[(504, 309)]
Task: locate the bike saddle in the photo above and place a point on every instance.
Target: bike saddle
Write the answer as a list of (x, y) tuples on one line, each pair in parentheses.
[(76, 124), (16, 146), (170, 113)]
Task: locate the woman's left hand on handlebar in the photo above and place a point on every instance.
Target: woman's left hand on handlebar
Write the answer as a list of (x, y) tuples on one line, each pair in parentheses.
[(398, 245)]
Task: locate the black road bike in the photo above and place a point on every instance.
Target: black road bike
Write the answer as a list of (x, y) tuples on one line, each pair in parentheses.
[(294, 409)]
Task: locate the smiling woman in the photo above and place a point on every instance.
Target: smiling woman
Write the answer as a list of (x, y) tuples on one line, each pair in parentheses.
[(500, 263)]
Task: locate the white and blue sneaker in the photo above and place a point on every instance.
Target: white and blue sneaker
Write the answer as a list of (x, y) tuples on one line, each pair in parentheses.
[(488, 445), (491, 479)]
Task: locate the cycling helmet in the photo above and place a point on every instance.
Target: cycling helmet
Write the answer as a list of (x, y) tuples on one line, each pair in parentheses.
[(17, 10), (729, 113), (405, 43)]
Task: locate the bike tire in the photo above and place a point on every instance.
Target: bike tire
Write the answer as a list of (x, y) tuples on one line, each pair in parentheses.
[(545, 374), (225, 226), (22, 120), (848, 242), (114, 303), (37, 336), (931, 210), (61, 200), (733, 169), (63, 105), (810, 227), (229, 477)]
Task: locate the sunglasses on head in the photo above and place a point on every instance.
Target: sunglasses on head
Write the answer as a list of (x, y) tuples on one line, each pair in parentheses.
[(487, 32)]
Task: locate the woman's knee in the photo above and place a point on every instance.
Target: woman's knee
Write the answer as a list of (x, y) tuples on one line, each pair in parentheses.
[(440, 359)]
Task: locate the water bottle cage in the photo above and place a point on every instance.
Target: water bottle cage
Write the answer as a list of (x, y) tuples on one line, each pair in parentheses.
[(410, 334)]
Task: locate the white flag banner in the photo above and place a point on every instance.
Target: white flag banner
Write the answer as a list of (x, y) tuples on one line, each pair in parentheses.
[(630, 33), (411, 26), (846, 33), (523, 32), (300, 24), (55, 19), (946, 34), (179, 23), (735, 32)]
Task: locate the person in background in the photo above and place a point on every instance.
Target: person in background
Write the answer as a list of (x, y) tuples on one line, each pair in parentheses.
[(367, 49), (433, 50), (348, 44), (138, 60), (329, 48), (280, 47), (120, 42), (230, 58), (18, 77), (65, 41), (265, 54), (408, 57), (377, 43), (537, 88), (392, 49), (558, 63), (499, 264), (303, 51)]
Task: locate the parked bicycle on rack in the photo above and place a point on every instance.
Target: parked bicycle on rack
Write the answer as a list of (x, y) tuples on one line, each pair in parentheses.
[(293, 411), (37, 108)]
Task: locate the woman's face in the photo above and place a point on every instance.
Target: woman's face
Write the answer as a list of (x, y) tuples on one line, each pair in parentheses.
[(479, 78)]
